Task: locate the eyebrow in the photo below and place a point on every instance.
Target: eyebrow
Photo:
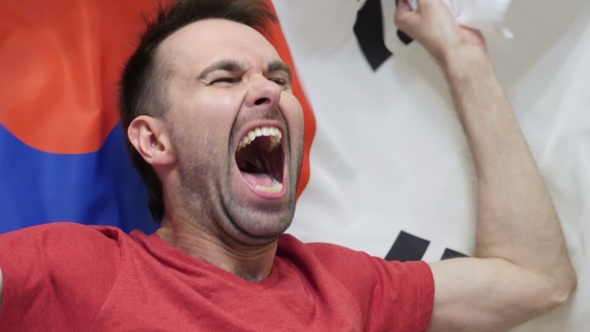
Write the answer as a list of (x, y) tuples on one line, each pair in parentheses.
[(279, 65), (225, 65), (235, 66)]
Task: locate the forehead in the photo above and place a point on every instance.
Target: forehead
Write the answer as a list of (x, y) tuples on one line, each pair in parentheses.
[(203, 42)]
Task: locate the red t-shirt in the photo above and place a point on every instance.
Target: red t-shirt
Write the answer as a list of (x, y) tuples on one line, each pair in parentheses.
[(70, 277)]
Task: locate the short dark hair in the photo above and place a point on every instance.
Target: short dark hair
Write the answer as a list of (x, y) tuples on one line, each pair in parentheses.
[(142, 88)]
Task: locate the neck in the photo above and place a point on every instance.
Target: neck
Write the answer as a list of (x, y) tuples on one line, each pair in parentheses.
[(250, 263)]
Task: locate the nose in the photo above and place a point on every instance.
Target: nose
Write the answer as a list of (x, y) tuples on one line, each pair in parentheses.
[(263, 92)]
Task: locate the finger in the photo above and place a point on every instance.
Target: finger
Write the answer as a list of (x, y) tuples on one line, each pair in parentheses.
[(425, 2), (404, 14), (474, 31), (403, 7), (430, 5), (402, 11)]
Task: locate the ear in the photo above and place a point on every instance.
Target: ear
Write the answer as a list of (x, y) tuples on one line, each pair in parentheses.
[(151, 138)]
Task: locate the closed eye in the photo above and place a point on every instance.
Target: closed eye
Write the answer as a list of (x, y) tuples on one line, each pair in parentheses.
[(279, 81), (227, 80)]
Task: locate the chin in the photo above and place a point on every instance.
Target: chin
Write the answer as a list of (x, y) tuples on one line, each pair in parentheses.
[(259, 227)]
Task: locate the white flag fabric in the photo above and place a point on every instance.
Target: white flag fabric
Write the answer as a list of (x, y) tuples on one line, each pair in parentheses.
[(485, 15), (391, 173)]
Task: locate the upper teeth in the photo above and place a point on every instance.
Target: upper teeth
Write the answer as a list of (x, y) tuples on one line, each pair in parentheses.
[(273, 132)]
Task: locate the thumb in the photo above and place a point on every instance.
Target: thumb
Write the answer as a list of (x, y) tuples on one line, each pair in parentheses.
[(402, 8), (404, 17)]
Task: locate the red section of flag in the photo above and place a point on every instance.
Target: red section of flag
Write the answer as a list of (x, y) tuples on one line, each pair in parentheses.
[(59, 64), (280, 43)]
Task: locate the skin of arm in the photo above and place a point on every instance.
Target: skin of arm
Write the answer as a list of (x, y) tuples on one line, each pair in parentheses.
[(522, 267)]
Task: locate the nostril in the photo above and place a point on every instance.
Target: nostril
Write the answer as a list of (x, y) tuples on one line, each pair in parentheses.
[(262, 101)]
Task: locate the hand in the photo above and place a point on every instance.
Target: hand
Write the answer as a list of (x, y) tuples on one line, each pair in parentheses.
[(433, 26)]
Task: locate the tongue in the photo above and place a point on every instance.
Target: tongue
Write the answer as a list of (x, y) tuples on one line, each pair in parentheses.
[(258, 179)]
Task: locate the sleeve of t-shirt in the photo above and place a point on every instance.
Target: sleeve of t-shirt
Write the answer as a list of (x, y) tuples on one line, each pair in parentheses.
[(56, 277), (393, 296)]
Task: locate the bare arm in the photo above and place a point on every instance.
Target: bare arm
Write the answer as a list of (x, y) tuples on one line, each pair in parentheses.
[(522, 269)]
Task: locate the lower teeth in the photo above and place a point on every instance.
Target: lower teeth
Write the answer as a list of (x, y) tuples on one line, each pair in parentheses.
[(274, 188)]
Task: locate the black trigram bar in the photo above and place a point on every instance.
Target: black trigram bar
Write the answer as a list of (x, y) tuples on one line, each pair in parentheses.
[(407, 247), (368, 30)]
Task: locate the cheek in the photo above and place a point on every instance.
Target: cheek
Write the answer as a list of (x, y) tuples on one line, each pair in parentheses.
[(293, 114), (217, 109), (203, 123)]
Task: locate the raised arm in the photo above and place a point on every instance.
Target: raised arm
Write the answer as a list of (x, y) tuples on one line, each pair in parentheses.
[(522, 268)]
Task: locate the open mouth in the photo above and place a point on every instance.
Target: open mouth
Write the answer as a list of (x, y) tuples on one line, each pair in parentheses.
[(260, 158)]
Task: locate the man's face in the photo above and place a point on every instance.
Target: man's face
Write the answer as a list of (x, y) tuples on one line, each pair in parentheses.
[(236, 129)]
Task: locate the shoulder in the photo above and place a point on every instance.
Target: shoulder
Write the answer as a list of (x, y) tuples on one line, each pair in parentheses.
[(56, 229), (52, 269), (63, 235), (341, 262), (383, 289), (356, 266), (60, 246)]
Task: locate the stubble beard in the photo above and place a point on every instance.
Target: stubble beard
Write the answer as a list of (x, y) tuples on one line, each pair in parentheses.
[(209, 202)]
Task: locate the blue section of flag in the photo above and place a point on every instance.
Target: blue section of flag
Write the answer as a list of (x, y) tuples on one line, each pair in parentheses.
[(93, 188)]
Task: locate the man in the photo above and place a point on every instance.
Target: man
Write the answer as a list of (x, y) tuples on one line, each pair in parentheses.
[(217, 135)]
